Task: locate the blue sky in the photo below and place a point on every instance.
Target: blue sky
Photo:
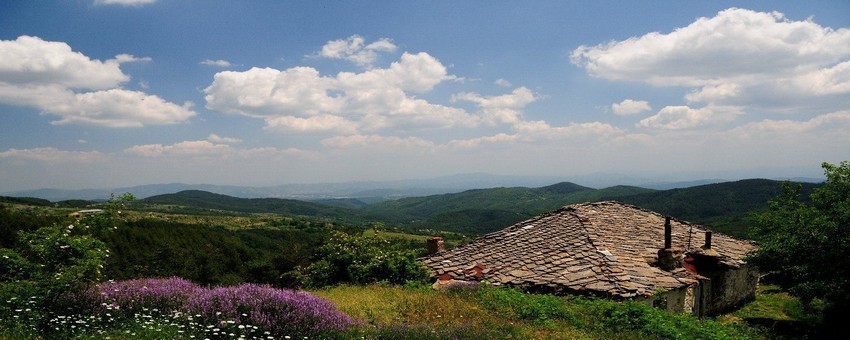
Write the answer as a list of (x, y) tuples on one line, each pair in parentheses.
[(108, 93)]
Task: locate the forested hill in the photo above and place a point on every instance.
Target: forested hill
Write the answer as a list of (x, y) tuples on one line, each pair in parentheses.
[(485, 210), (187, 200), (724, 207)]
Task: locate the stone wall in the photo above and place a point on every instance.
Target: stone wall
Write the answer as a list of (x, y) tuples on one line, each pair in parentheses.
[(732, 288)]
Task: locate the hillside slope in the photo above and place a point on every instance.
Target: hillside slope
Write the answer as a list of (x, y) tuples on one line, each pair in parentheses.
[(724, 207), (209, 201), (485, 210)]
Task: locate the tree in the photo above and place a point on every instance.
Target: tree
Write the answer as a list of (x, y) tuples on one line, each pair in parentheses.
[(806, 246), (363, 260)]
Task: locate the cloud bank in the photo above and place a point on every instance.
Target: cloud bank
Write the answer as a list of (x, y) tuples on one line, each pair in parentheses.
[(59, 81)]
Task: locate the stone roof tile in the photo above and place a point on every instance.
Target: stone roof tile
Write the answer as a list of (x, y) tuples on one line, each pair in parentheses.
[(604, 247)]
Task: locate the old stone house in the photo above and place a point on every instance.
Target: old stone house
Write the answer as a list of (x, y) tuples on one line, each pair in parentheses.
[(608, 249)]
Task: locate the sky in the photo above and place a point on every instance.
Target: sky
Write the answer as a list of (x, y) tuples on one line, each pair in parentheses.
[(112, 93)]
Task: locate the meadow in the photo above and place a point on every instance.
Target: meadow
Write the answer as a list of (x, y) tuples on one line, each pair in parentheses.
[(158, 274)]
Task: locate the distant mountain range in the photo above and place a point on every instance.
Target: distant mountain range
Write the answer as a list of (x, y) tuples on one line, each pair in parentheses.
[(369, 190), (724, 207)]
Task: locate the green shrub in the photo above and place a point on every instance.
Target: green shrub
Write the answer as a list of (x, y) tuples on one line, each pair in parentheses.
[(363, 260)]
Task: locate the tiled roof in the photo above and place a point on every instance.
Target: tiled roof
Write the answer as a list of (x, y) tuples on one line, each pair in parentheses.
[(606, 248)]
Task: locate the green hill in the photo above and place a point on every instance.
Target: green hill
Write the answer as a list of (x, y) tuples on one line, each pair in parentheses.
[(189, 201), (484, 210), (724, 207)]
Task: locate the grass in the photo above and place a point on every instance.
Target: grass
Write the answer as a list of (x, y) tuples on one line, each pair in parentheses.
[(492, 312), (419, 312), (785, 315), (389, 308)]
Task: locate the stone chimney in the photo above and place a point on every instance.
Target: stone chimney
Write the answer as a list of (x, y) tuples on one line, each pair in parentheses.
[(706, 248), (669, 257), (436, 245)]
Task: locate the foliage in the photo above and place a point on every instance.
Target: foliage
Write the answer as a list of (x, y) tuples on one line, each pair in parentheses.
[(52, 262), (362, 260), (211, 255), (805, 245)]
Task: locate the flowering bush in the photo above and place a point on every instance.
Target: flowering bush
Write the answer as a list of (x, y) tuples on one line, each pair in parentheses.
[(134, 295), (224, 310), (278, 310)]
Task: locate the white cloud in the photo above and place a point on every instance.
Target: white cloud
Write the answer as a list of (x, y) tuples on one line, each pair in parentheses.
[(226, 140), (313, 124), (51, 155), (738, 57), (375, 99), (121, 108), (354, 49), (209, 150), (53, 78), (377, 142), (836, 121), (505, 109), (124, 2), (477, 141), (502, 82), (216, 63), (540, 130), (129, 58), (683, 117), (186, 148), (30, 61), (630, 107)]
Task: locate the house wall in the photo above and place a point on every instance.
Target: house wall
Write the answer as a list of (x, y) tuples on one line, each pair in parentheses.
[(732, 287)]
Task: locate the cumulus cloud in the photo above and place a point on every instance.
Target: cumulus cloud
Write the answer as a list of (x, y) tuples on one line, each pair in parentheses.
[(124, 2), (355, 49), (301, 99), (504, 109), (737, 57), (55, 79), (630, 107), (684, 117), (216, 63)]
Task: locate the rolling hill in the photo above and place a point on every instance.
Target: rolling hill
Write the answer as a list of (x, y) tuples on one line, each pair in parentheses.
[(724, 207), (484, 210), (187, 200)]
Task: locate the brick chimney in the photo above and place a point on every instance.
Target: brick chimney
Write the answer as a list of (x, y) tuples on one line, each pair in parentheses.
[(436, 245), (669, 257)]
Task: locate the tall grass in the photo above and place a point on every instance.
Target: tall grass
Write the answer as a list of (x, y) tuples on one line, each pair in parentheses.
[(482, 311)]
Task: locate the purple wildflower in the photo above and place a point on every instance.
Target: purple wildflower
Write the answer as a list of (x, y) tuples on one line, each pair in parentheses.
[(164, 294), (279, 311)]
